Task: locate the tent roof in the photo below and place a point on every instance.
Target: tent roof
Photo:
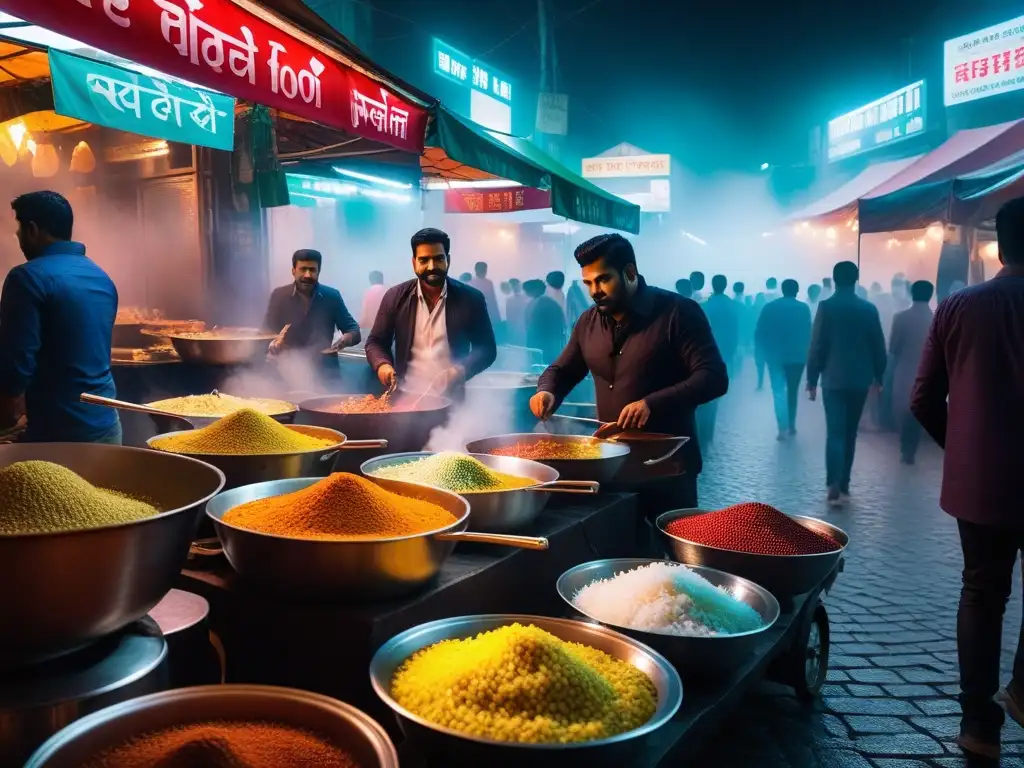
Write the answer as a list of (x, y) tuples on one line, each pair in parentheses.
[(840, 199)]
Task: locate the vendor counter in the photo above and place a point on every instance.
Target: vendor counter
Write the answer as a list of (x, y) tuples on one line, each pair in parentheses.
[(327, 646)]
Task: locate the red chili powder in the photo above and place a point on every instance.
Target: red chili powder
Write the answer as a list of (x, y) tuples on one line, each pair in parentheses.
[(226, 744), (752, 527)]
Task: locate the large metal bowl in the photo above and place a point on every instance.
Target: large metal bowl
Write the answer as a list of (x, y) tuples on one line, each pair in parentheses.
[(405, 430), (782, 575), (342, 724), (455, 748), (242, 470), (353, 570), (500, 511), (693, 657), (602, 470), (63, 590), (172, 423), (244, 348)]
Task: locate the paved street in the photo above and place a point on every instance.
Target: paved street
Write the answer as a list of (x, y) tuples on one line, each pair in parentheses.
[(890, 701)]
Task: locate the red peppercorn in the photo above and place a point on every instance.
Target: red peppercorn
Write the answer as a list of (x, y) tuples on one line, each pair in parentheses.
[(752, 527)]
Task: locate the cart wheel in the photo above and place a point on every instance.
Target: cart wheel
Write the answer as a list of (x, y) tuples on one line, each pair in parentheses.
[(809, 660)]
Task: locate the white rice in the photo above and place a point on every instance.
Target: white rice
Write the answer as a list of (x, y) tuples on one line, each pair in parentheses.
[(668, 598)]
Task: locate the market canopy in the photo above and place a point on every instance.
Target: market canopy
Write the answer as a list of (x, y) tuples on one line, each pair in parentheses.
[(458, 148), (842, 202)]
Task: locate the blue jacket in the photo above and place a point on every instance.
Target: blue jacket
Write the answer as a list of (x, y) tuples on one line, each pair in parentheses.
[(847, 344), (783, 332), (56, 319)]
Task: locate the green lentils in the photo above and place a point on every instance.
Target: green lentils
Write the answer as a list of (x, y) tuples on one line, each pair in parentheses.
[(42, 497), (454, 472)]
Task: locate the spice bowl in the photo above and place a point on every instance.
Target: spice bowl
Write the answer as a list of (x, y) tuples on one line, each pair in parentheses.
[(693, 657), (784, 576), (341, 724), (601, 469), (500, 511)]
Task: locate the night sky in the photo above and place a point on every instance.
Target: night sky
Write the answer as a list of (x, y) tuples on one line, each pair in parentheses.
[(721, 85)]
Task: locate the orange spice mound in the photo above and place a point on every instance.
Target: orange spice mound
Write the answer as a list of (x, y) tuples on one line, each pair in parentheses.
[(226, 744), (342, 506)]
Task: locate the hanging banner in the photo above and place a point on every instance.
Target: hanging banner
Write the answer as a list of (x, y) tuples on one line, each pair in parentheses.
[(496, 200), (129, 101), (223, 45)]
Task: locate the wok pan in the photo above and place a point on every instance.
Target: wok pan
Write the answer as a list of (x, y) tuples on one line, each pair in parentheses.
[(405, 430)]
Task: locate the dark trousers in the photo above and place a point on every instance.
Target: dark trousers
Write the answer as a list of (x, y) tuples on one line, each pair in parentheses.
[(910, 435), (989, 556), (843, 409), (785, 379)]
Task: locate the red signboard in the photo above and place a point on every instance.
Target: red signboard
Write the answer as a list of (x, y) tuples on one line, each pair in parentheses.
[(224, 46), (503, 200)]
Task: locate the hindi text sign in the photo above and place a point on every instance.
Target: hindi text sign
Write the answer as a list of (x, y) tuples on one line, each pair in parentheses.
[(496, 200), (984, 63)]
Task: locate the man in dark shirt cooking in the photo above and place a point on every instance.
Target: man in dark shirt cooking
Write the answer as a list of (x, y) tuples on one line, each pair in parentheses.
[(310, 311), (651, 352), (56, 319)]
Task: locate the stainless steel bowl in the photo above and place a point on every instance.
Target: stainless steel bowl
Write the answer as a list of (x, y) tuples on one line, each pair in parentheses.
[(229, 351), (63, 590), (405, 430), (353, 570), (242, 470), (602, 470), (693, 657), (500, 511), (342, 724), (782, 575), (459, 748)]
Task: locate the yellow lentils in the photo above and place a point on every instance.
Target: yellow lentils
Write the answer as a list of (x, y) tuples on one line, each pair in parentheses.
[(41, 497), (220, 404), (522, 684), (242, 433), (340, 507), (455, 472)]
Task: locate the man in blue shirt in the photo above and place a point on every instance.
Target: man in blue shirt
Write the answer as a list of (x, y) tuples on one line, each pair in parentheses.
[(56, 319), (783, 334)]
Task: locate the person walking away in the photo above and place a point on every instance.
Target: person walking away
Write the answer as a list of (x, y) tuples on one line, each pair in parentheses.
[(684, 288), (57, 315), (813, 297), (746, 334), (906, 340), (576, 303), (545, 322), (784, 334), (697, 284), (555, 282), (723, 316), (652, 357), (771, 289), (515, 313), (826, 288), (432, 333), (848, 356), (759, 364), (482, 283), (974, 356), (371, 299)]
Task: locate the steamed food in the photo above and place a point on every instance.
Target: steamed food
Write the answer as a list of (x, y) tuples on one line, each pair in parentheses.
[(219, 404), (243, 433), (42, 497), (452, 471)]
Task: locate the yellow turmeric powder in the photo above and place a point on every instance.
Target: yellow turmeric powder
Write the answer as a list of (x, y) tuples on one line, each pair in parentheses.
[(243, 433), (342, 506)]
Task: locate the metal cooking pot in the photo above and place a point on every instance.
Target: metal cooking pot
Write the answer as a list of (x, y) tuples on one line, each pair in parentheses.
[(63, 590), (506, 510), (375, 569), (405, 430), (602, 469), (227, 351), (342, 724), (241, 469)]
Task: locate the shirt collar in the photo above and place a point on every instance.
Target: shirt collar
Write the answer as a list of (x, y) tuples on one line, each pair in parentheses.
[(421, 297), (295, 290), (643, 300), (64, 248)]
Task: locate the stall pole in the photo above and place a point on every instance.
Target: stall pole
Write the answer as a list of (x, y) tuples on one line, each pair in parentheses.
[(858, 250)]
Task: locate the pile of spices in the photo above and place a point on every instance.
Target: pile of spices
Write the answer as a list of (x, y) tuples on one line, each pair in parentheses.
[(522, 684), (551, 450), (455, 472), (243, 433), (364, 404), (218, 404), (752, 527), (41, 497), (667, 598), (340, 507), (225, 334), (226, 744)]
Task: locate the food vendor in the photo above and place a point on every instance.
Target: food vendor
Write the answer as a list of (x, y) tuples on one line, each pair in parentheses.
[(309, 310), (56, 320), (651, 353), (438, 327)]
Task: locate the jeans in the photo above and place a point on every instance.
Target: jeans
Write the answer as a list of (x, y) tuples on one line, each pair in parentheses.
[(989, 556), (785, 379), (843, 409), (910, 435)]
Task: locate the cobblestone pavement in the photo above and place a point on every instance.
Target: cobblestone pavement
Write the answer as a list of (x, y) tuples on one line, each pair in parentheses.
[(890, 698)]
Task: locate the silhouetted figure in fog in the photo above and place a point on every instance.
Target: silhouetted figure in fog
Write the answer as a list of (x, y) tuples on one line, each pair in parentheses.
[(826, 288), (372, 299), (482, 283), (723, 316), (746, 337), (697, 284), (576, 303), (759, 304), (784, 336), (466, 278), (556, 281), (813, 297), (545, 322), (906, 340), (515, 313), (974, 354), (684, 288), (848, 355), (771, 289)]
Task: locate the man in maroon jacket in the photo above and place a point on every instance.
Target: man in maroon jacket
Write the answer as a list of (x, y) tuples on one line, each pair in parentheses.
[(974, 355)]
